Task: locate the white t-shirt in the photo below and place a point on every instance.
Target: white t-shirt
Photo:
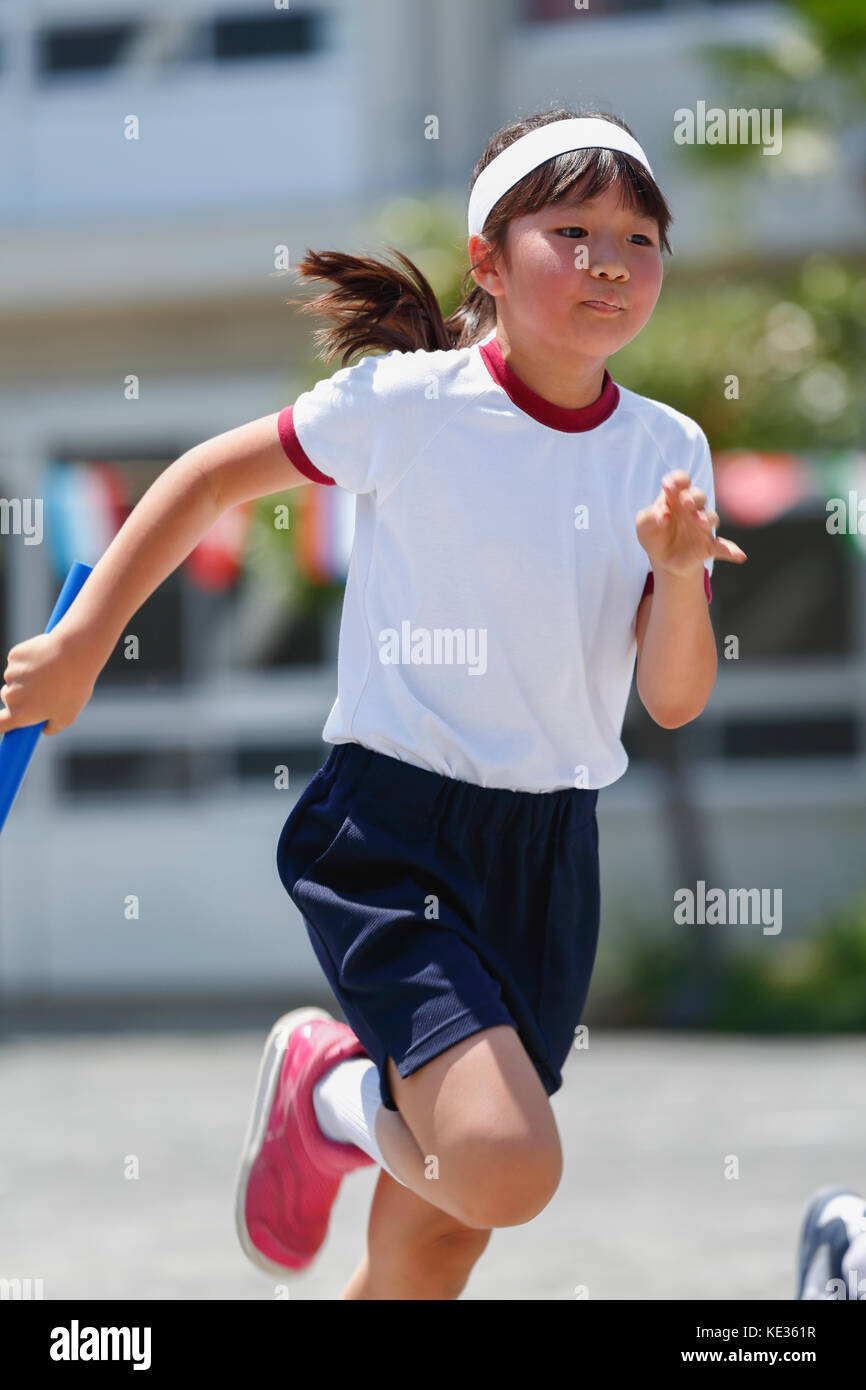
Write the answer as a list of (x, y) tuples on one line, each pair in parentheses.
[(488, 625)]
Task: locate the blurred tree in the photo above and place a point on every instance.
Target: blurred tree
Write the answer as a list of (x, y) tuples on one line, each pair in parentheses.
[(763, 354)]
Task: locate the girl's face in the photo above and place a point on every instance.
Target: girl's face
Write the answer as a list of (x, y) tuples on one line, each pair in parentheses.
[(572, 252)]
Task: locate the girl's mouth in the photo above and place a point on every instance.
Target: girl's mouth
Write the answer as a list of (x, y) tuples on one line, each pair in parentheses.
[(601, 307)]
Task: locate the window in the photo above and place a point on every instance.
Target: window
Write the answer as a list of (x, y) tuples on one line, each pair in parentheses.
[(821, 737), (129, 771), (256, 763), (265, 36), (793, 598), (82, 47), (87, 500), (72, 48)]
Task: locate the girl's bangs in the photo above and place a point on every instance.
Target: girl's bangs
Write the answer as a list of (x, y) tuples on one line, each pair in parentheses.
[(587, 173)]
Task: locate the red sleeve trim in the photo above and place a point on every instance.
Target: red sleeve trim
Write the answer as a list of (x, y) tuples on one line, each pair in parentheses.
[(650, 585), (295, 451)]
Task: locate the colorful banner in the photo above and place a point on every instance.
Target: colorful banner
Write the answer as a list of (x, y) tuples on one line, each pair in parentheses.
[(755, 488), (324, 520), (216, 562), (85, 506), (87, 502)]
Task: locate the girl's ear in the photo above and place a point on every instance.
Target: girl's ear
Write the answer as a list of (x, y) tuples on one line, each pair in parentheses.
[(483, 264)]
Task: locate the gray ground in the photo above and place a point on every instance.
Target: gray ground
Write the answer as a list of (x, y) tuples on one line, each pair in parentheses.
[(645, 1209)]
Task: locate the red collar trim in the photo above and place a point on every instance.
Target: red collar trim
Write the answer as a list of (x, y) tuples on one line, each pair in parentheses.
[(556, 417)]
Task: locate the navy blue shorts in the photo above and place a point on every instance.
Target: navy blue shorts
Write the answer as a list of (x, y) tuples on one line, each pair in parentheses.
[(437, 907)]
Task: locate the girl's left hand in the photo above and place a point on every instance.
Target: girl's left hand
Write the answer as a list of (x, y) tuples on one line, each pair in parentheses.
[(677, 532)]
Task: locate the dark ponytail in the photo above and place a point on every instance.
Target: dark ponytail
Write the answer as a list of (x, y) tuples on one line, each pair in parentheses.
[(375, 305)]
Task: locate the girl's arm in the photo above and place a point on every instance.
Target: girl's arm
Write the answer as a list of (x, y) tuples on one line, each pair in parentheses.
[(676, 650), (676, 647), (51, 676)]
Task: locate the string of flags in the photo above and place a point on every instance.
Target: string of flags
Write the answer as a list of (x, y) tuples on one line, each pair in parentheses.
[(87, 501)]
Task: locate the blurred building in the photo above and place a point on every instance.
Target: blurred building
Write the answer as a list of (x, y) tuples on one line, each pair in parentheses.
[(156, 159)]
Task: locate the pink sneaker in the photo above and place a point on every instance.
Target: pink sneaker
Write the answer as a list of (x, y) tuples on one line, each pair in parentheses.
[(290, 1172)]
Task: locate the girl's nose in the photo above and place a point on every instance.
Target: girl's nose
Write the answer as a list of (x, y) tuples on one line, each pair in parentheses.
[(609, 265), (605, 258)]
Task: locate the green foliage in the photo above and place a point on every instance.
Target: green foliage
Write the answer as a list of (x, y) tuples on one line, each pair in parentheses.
[(839, 28), (794, 335), (815, 73), (270, 558), (814, 985), (795, 338)]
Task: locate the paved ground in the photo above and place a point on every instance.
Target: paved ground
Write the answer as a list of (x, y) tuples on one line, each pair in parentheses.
[(645, 1210)]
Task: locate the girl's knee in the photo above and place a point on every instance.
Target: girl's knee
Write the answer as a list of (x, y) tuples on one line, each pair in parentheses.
[(507, 1183), (480, 1110)]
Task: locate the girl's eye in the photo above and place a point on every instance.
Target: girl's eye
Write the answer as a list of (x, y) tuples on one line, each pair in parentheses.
[(582, 230)]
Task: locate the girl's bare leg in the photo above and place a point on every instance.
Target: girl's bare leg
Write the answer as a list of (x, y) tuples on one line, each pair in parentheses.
[(414, 1250), (476, 1144), (475, 1134)]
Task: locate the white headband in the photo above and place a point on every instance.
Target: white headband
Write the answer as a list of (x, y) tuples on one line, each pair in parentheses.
[(539, 145)]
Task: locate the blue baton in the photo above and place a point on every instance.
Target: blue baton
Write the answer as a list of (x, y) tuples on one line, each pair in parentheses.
[(17, 747)]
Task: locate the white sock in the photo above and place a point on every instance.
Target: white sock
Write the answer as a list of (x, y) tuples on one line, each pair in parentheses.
[(346, 1101)]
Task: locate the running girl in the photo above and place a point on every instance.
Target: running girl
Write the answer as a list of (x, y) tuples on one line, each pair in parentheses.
[(445, 856)]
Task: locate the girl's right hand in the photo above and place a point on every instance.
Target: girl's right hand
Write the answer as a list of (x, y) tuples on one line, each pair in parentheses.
[(47, 678)]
